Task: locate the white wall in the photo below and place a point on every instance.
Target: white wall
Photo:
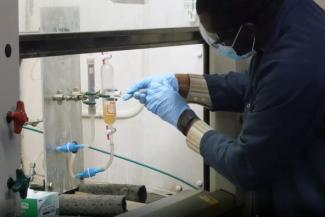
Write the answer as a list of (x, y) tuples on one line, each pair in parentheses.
[(101, 15), (31, 94), (144, 138)]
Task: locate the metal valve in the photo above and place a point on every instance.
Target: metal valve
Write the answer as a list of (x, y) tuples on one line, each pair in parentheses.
[(19, 117), (20, 185), (110, 131)]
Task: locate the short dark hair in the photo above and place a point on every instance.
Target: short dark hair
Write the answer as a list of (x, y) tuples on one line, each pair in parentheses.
[(231, 13), (225, 17)]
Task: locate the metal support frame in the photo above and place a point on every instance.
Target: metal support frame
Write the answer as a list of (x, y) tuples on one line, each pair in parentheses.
[(206, 115), (62, 122), (45, 45), (9, 95), (188, 204), (58, 44)]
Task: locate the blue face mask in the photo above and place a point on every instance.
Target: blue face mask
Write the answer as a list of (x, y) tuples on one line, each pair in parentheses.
[(231, 53), (227, 51)]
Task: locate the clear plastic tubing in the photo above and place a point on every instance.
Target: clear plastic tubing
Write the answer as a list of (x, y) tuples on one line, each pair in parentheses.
[(125, 159), (91, 89), (71, 163), (111, 157), (109, 103)]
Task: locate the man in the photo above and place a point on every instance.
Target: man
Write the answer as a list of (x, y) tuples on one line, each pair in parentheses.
[(280, 152)]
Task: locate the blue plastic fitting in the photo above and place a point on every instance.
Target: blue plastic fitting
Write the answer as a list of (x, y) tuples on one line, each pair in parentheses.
[(90, 172), (72, 147)]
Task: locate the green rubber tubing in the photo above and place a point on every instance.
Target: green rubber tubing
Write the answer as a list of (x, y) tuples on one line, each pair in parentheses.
[(32, 129), (129, 160), (145, 166)]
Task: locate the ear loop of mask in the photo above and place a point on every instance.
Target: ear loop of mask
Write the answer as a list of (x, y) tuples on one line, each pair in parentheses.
[(237, 35), (210, 38)]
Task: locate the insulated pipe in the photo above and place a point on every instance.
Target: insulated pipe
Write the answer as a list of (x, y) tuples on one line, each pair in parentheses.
[(92, 205), (131, 192)]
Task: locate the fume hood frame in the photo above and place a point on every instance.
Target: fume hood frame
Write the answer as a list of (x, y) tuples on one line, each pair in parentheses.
[(59, 44)]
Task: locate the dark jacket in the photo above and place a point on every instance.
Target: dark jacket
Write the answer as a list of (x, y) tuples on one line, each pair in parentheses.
[(280, 152)]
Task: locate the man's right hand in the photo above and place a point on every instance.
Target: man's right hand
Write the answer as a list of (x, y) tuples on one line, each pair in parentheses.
[(139, 90)]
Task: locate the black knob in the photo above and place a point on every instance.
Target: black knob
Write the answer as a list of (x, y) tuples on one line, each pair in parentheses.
[(20, 185)]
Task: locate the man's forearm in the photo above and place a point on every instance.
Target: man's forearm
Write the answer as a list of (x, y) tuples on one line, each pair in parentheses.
[(194, 89), (184, 84), (195, 134), (193, 128)]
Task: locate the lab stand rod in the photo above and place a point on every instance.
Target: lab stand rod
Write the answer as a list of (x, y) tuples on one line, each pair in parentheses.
[(57, 44)]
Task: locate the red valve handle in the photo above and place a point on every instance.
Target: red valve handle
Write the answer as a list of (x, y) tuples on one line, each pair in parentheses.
[(19, 117)]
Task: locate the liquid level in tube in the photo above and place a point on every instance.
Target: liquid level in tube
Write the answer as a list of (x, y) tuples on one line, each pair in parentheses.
[(109, 110)]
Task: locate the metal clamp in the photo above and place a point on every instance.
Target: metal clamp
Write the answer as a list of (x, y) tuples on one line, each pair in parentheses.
[(77, 95)]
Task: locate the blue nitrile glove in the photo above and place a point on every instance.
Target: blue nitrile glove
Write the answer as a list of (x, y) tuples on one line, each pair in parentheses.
[(138, 90), (165, 102), (88, 173)]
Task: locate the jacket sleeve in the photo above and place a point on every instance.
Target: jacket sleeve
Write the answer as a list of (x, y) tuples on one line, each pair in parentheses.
[(275, 129), (228, 91)]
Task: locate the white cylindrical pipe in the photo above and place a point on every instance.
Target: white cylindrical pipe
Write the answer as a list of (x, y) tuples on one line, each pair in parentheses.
[(91, 85), (92, 129), (121, 115), (71, 163)]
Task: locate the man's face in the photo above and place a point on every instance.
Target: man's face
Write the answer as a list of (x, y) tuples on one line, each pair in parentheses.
[(207, 22), (210, 25), (244, 42)]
